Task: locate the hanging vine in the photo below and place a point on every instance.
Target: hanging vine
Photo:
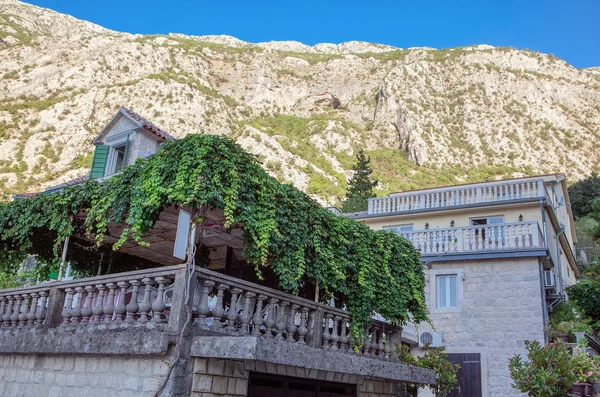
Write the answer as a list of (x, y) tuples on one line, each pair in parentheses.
[(283, 227)]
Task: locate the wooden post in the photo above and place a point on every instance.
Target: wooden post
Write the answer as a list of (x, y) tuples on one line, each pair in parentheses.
[(64, 258)]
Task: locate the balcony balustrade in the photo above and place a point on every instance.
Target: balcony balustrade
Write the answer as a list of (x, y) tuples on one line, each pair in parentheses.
[(458, 196), (153, 300), (480, 238)]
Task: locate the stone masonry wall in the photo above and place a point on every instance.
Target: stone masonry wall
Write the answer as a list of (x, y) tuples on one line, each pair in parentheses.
[(80, 375), (218, 377), (500, 306)]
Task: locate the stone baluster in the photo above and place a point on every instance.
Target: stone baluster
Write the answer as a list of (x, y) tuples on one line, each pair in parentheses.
[(291, 324), (258, 319), (76, 312), (133, 307), (381, 343), (302, 329), (388, 348), (3, 304), (326, 331), (219, 310), (280, 323), (109, 308), (14, 318), (6, 319), (246, 315), (232, 313), (335, 338), (270, 321), (368, 346), (344, 334), (66, 313), (98, 309), (87, 311), (158, 307), (40, 315), (120, 308), (24, 310), (146, 306)]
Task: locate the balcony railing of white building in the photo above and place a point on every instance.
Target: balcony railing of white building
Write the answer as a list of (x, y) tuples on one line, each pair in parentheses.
[(479, 238), (504, 192)]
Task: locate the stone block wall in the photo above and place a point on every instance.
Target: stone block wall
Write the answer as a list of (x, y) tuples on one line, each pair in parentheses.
[(141, 146), (500, 306), (26, 375), (219, 377)]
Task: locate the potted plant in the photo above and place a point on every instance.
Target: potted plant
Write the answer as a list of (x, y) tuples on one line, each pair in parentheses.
[(560, 331), (547, 372), (587, 370)]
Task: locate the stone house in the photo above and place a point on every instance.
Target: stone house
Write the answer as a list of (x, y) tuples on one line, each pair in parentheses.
[(498, 257), (174, 329)]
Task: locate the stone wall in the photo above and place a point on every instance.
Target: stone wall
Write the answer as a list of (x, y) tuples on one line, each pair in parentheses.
[(218, 377), (500, 306), (141, 145), (80, 375)]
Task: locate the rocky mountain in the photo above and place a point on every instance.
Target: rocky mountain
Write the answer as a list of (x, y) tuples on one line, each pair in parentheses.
[(427, 117)]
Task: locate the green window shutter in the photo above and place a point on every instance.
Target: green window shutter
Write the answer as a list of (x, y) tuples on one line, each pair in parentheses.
[(99, 162)]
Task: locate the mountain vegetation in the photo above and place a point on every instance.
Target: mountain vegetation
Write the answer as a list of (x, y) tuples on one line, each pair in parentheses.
[(425, 117)]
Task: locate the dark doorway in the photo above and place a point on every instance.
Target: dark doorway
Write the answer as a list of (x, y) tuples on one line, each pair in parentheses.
[(469, 374), (265, 385)]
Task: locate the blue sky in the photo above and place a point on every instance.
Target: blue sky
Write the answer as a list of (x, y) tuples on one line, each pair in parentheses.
[(569, 29)]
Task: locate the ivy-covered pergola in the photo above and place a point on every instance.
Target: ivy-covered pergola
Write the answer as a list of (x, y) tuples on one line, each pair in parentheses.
[(278, 228)]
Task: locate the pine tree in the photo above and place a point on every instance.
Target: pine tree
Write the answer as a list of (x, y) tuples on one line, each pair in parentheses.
[(360, 187)]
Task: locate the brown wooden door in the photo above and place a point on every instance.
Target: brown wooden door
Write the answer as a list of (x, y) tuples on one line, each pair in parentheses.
[(469, 374), (265, 385)]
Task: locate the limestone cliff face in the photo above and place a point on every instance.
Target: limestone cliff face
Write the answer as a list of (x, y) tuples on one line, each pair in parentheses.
[(426, 116)]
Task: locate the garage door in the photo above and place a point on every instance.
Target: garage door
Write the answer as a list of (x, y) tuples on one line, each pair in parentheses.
[(265, 385)]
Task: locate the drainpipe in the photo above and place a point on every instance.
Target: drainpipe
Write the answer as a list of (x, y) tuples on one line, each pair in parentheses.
[(560, 277), (545, 319)]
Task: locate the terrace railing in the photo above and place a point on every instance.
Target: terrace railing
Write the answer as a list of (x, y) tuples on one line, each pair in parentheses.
[(154, 299), (457, 196), (506, 236)]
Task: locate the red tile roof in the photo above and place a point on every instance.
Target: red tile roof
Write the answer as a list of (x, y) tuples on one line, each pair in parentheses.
[(147, 125)]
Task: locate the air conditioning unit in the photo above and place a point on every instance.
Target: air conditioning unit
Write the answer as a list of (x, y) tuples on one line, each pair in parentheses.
[(431, 338), (549, 281)]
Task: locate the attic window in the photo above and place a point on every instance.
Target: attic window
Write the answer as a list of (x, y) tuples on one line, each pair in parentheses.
[(119, 157)]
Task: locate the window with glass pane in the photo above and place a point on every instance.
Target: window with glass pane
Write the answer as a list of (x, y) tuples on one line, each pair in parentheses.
[(447, 291)]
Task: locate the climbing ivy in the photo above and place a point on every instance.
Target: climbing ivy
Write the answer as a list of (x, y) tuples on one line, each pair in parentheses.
[(284, 228)]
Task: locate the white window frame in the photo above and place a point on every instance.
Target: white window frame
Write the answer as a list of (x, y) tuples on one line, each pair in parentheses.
[(446, 279), (494, 220), (404, 228), (115, 141), (432, 296)]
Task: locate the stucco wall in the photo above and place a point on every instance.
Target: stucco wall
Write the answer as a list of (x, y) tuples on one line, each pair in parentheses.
[(500, 306), (80, 375)]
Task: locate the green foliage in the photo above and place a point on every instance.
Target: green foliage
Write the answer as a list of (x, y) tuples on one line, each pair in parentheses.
[(583, 193), (360, 187), (283, 228), (311, 58), (585, 228), (586, 293), (437, 360), (550, 371)]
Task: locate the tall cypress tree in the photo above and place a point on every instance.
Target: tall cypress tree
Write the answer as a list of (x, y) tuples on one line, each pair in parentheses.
[(360, 187)]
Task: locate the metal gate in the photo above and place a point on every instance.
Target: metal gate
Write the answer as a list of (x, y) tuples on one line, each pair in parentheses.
[(469, 375), (265, 385)]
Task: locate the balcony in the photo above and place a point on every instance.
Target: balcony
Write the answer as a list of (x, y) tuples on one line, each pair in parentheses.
[(480, 238), (152, 302), (457, 197)]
